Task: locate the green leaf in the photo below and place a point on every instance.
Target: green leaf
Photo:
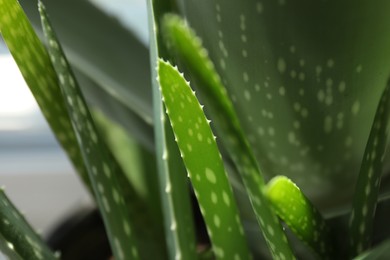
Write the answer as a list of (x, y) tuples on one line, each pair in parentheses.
[(377, 253), (37, 70), (204, 164), (292, 206), (103, 170), (367, 186), (174, 188), (17, 239), (305, 78), (139, 168), (195, 57), (137, 163), (117, 110), (103, 50)]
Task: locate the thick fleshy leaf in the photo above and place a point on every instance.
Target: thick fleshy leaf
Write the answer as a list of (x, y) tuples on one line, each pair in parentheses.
[(37, 70), (377, 253), (292, 206), (104, 51), (305, 77), (174, 190), (194, 56), (204, 164), (116, 110), (139, 168), (17, 238), (367, 187), (136, 162), (103, 171)]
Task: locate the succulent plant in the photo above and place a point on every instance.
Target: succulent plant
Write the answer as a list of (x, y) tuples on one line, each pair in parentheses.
[(298, 97)]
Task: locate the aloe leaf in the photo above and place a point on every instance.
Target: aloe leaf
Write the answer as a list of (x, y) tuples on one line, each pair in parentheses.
[(116, 110), (379, 252), (103, 170), (37, 70), (139, 167), (101, 48), (174, 188), (17, 239), (194, 56), (300, 90), (137, 163), (204, 164), (292, 206), (367, 186)]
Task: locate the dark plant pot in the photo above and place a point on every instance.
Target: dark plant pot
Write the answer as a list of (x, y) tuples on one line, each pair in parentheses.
[(81, 237)]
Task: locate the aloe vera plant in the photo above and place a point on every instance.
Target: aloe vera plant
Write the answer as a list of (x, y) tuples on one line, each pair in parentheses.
[(298, 95)]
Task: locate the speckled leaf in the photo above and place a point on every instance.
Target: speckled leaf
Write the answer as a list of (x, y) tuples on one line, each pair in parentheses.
[(17, 239), (379, 252), (292, 206), (194, 56), (103, 170), (204, 164), (116, 110), (174, 190), (140, 182), (37, 70), (137, 163), (104, 51), (367, 187), (304, 76)]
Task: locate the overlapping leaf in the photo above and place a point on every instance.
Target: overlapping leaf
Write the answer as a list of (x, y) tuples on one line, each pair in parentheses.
[(105, 52), (142, 197), (377, 253), (189, 48), (304, 89), (204, 164), (103, 170), (367, 187), (173, 181)]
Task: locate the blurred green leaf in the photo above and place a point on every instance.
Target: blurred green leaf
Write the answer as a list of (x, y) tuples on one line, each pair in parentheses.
[(17, 239), (100, 48), (204, 164), (103, 170), (139, 167), (367, 187), (118, 112), (137, 163), (377, 253)]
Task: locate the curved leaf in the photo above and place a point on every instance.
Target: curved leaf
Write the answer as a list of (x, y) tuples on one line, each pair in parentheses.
[(300, 215), (194, 56), (303, 76), (174, 190), (204, 164)]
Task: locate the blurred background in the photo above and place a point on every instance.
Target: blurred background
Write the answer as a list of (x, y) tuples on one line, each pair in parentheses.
[(34, 171)]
